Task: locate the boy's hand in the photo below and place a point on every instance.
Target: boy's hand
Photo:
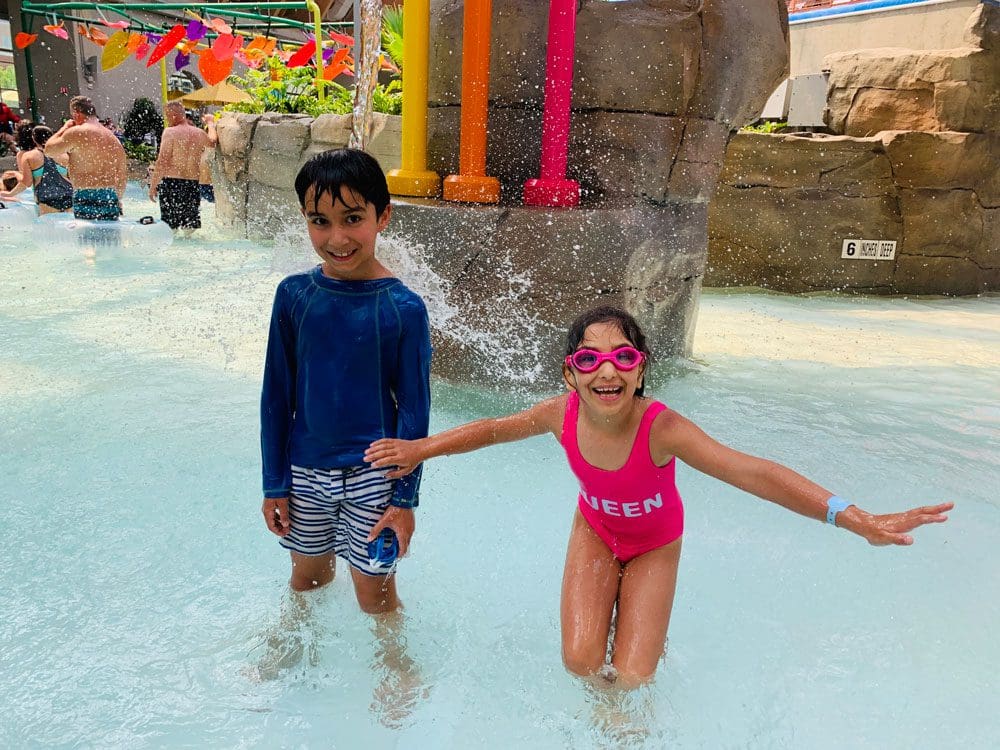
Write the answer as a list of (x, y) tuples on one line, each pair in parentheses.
[(275, 510), (403, 454), (401, 521)]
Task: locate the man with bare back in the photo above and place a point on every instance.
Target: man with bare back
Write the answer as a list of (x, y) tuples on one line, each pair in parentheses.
[(97, 164), (177, 171)]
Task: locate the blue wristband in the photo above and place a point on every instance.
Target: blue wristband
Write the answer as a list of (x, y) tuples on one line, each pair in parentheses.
[(833, 506)]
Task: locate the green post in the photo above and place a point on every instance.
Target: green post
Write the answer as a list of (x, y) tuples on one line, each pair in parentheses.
[(30, 73)]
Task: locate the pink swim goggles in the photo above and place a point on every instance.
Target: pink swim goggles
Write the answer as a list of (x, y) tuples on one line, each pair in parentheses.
[(624, 358)]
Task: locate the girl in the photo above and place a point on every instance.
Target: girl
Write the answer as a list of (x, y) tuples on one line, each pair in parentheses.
[(625, 542)]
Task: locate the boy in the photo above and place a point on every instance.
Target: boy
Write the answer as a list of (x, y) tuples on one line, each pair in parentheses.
[(348, 361)]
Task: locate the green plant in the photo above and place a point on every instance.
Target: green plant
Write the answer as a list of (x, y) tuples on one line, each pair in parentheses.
[(142, 119), (277, 88), (766, 126), (392, 33), (140, 152)]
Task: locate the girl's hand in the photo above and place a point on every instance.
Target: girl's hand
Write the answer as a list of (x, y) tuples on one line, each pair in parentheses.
[(892, 528), (403, 454)]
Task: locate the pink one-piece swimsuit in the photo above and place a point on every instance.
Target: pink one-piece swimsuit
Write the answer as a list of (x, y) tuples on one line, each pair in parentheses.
[(636, 508)]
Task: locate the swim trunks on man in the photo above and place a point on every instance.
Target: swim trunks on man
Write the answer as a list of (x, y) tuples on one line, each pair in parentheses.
[(96, 204), (180, 203)]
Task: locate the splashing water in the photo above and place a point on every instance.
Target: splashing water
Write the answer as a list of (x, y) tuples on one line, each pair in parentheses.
[(366, 71)]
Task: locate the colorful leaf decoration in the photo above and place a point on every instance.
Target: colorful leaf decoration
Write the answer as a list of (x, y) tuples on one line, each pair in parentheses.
[(23, 39), (337, 65), (171, 40), (217, 24), (134, 40), (57, 30), (181, 61), (226, 45), (115, 51), (212, 69), (195, 30), (304, 55), (342, 38), (115, 24), (143, 48)]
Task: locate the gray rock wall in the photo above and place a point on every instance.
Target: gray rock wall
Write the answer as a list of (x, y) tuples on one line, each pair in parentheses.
[(258, 157), (785, 205)]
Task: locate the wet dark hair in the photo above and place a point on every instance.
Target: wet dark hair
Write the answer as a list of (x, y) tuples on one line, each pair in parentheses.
[(352, 168), (41, 134), (22, 134), (617, 317)]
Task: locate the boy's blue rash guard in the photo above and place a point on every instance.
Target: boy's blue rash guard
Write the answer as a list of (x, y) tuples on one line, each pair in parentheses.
[(348, 362)]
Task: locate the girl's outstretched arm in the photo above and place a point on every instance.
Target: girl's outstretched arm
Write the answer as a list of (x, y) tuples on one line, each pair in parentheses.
[(405, 455), (674, 435)]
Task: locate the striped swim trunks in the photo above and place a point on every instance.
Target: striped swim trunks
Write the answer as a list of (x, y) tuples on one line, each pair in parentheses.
[(333, 510)]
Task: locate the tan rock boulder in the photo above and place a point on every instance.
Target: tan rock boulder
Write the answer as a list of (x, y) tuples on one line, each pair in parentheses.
[(278, 144)]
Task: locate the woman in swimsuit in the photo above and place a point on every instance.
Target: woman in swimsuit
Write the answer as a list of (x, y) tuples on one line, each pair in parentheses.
[(53, 191), (625, 543)]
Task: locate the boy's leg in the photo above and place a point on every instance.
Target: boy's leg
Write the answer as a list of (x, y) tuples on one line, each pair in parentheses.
[(589, 589), (645, 601), (376, 594), (311, 571)]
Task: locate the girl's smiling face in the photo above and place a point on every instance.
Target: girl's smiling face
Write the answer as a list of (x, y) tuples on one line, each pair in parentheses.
[(607, 388), (343, 234)]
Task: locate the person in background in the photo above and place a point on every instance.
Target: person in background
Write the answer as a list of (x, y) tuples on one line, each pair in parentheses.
[(177, 170), (48, 176), (97, 162), (8, 119), (205, 180), (22, 143)]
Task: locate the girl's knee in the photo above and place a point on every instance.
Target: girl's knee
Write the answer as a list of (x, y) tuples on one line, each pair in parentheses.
[(582, 664)]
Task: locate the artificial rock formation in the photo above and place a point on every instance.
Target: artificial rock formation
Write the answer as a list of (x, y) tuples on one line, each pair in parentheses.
[(915, 161), (659, 85)]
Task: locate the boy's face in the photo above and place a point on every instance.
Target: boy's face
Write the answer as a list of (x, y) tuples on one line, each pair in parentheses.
[(343, 234)]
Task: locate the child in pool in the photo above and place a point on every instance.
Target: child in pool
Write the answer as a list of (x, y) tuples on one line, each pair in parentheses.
[(625, 543), (348, 361)]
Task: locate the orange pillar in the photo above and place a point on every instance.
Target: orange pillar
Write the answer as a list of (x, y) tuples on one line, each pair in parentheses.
[(472, 185)]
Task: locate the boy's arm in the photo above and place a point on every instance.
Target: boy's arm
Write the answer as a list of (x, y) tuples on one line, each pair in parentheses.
[(277, 401), (542, 417), (413, 398), (772, 481)]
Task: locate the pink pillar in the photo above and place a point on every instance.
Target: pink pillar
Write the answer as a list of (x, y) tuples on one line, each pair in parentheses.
[(552, 188)]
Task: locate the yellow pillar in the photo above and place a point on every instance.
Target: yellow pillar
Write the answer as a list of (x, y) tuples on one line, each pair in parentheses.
[(472, 185), (413, 177)]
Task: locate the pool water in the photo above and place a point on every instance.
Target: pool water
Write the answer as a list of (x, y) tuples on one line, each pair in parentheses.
[(139, 585)]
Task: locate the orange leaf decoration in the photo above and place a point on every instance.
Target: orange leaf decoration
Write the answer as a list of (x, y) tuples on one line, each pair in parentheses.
[(337, 65), (22, 39), (171, 40), (212, 69), (134, 40)]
